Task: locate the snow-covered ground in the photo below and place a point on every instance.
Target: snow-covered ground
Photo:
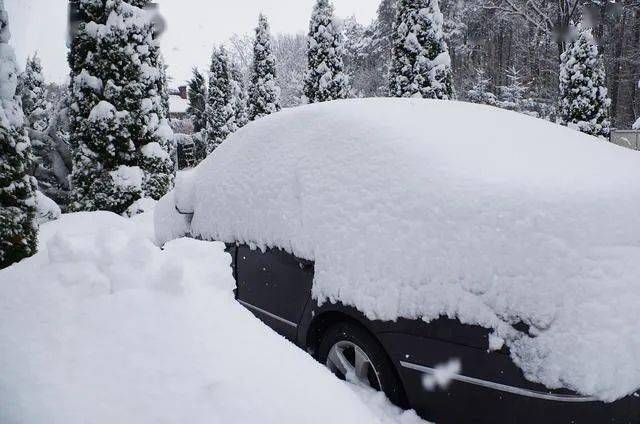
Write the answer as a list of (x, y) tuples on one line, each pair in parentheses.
[(102, 326)]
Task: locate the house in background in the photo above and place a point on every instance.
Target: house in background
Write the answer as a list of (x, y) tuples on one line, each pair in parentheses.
[(178, 102)]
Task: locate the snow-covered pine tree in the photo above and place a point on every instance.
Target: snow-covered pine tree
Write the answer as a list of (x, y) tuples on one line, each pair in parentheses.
[(381, 45), (220, 108), (119, 128), (584, 104), (197, 91), (239, 97), (34, 96), (357, 60), (480, 92), (264, 94), (325, 78), (512, 95), (163, 86), (18, 227), (421, 65)]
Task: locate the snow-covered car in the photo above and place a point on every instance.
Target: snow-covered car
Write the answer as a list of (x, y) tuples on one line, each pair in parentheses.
[(475, 264)]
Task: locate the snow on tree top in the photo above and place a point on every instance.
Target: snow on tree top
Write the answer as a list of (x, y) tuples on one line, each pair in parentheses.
[(490, 216)]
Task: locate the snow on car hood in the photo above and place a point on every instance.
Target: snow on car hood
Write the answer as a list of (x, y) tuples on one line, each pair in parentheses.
[(417, 209)]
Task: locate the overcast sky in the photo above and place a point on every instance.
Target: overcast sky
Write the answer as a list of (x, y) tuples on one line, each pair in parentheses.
[(193, 27)]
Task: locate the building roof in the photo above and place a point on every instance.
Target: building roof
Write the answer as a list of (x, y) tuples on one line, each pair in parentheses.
[(177, 104)]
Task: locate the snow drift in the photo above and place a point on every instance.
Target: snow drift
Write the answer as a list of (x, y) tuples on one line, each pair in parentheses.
[(417, 209), (102, 326)]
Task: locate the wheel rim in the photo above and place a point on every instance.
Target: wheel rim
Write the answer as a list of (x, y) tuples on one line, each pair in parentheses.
[(349, 362)]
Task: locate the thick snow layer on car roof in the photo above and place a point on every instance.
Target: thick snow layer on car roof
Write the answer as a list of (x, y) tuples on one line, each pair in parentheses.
[(416, 208)]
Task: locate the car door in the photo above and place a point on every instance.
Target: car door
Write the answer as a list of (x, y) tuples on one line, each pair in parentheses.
[(275, 286)]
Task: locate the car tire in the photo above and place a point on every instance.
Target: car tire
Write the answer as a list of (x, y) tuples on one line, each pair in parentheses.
[(347, 334)]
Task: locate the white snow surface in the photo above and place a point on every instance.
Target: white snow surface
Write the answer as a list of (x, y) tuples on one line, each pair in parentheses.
[(142, 205), (177, 104), (46, 209), (101, 111), (154, 150), (102, 326), (127, 177), (421, 208)]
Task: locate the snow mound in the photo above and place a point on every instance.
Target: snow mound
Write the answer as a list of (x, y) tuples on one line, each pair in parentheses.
[(102, 326), (418, 209), (46, 209), (142, 205)]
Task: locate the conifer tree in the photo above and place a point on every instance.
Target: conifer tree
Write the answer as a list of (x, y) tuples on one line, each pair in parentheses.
[(119, 129), (239, 97), (480, 92), (220, 108), (197, 94), (512, 95), (33, 93), (18, 227), (264, 94), (421, 65), (381, 45), (584, 104), (325, 78), (162, 86)]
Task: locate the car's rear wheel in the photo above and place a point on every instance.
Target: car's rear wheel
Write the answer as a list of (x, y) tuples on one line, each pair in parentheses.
[(354, 355)]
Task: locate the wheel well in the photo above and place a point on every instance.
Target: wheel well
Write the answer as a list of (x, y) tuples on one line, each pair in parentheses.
[(321, 323)]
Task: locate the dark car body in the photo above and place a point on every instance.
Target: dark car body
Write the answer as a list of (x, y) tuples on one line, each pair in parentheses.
[(276, 286)]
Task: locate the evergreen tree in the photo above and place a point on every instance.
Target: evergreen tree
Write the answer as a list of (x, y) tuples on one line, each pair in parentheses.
[(162, 86), (512, 95), (119, 129), (372, 54), (357, 59), (18, 227), (325, 78), (220, 108), (480, 92), (421, 65), (33, 93), (239, 97), (264, 94), (584, 104), (197, 101)]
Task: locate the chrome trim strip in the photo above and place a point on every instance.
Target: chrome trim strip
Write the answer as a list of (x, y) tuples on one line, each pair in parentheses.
[(503, 387), (267, 313)]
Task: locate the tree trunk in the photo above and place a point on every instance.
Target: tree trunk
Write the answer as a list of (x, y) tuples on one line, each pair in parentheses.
[(617, 64)]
